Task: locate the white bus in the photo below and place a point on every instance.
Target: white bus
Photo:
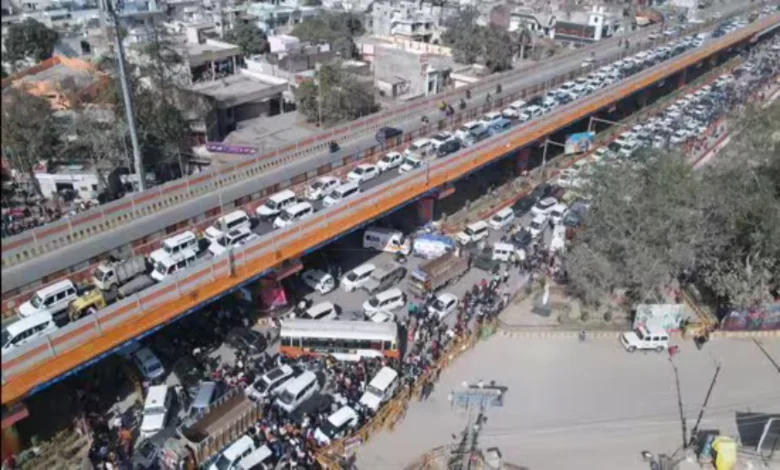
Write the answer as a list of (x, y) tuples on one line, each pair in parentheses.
[(344, 340)]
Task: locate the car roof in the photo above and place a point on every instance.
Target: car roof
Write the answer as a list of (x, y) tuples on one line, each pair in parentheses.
[(321, 307), (477, 225), (155, 396), (344, 414), (421, 142), (447, 296), (65, 283), (365, 267), (145, 355)]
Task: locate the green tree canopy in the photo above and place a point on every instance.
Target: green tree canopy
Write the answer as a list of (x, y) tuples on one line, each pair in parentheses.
[(661, 221), (472, 43), (29, 39), (249, 37), (30, 133), (341, 98), (336, 29), (312, 3)]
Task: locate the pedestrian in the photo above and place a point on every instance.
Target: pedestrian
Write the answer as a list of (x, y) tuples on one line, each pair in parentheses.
[(505, 276)]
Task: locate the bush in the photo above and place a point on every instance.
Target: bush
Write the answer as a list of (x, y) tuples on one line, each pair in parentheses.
[(585, 316), (608, 316)]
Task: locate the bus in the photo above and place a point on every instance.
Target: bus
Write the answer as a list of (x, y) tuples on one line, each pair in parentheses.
[(344, 340)]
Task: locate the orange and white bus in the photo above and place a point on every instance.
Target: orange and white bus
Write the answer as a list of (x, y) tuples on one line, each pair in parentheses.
[(344, 340)]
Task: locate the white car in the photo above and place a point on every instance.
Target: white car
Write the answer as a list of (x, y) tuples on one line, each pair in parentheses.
[(490, 118), (235, 237), (321, 187), (558, 212), (544, 206), (322, 311), (502, 219), (466, 130), (363, 173), (514, 110), (389, 161), (148, 363), (473, 233), (353, 280), (270, 383), (680, 136), (155, 413), (566, 178), (441, 138), (444, 305), (537, 225), (319, 281), (380, 316)]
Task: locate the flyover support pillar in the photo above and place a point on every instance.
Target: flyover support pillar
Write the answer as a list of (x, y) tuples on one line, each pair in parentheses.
[(521, 160), (681, 78), (11, 444), (424, 209), (642, 98)]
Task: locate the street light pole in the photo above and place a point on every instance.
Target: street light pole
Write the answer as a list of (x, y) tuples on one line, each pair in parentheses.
[(127, 98)]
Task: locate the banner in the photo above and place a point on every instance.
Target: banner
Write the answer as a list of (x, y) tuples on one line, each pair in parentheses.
[(579, 143), (217, 147)]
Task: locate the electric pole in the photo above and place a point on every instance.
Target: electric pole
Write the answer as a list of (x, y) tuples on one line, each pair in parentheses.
[(474, 398), (114, 11)]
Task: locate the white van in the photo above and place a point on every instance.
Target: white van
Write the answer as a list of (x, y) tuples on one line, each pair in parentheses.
[(322, 311), (381, 388), (261, 456), (271, 383), (148, 363), (473, 233), (514, 109), (355, 279), (51, 299), (234, 220), (169, 265), (173, 246), (420, 148), (294, 214), (156, 407), (319, 280), (385, 239), (338, 425), (507, 253), (340, 193), (275, 204), (388, 300), (298, 391), (645, 338), (27, 330), (234, 454), (502, 219)]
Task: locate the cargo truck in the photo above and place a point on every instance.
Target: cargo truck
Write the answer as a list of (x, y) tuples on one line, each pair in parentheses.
[(110, 276), (437, 273)]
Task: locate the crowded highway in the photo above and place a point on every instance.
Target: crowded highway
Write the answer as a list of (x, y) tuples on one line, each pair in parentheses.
[(19, 276), (368, 317), (285, 208)]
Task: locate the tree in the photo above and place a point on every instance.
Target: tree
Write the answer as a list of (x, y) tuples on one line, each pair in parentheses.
[(312, 3), (90, 138), (249, 37), (655, 223), (29, 40), (336, 29), (29, 131), (335, 96), (472, 43)]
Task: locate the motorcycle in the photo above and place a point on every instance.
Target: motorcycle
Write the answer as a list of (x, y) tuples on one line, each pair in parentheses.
[(334, 146)]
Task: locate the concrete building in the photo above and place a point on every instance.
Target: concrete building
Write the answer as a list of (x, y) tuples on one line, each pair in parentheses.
[(406, 69), (409, 20), (235, 98), (576, 26), (208, 59), (290, 63), (277, 18)]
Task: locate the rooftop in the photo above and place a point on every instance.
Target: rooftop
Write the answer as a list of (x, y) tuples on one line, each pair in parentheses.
[(269, 133), (235, 89)]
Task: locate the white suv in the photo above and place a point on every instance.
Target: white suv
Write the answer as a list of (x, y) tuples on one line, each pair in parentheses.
[(646, 338)]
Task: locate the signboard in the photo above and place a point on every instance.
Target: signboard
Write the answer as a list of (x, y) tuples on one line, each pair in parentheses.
[(218, 147), (579, 143)]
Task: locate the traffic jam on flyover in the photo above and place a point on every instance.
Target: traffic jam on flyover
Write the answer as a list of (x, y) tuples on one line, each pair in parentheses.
[(369, 314)]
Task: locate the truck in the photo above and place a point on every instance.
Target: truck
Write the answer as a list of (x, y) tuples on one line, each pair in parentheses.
[(437, 273), (110, 276), (97, 299)]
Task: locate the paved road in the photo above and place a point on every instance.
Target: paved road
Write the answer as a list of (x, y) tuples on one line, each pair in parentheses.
[(21, 275), (573, 405)]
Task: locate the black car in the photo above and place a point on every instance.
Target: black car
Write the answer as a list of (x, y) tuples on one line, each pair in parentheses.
[(522, 238), (385, 133), (542, 191), (319, 403), (246, 340), (523, 205), (448, 147)]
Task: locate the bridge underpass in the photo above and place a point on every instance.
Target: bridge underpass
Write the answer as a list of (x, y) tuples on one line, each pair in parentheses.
[(37, 378)]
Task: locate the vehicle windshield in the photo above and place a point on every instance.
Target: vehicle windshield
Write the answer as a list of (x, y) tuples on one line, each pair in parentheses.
[(154, 410), (536, 226), (285, 216), (335, 195), (98, 274), (317, 184), (414, 148), (36, 301), (287, 397), (328, 428), (374, 391), (352, 276), (6, 338), (469, 232), (223, 463), (152, 368), (373, 301), (261, 385), (271, 204), (438, 305), (411, 161), (639, 334), (161, 268), (358, 171)]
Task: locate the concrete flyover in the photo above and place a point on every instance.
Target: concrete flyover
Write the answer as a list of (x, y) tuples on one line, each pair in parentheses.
[(48, 359), (137, 224)]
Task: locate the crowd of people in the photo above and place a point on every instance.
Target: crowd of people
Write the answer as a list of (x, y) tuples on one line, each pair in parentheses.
[(24, 212)]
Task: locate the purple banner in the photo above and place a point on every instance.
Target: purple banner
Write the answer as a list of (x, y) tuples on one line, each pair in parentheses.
[(218, 147)]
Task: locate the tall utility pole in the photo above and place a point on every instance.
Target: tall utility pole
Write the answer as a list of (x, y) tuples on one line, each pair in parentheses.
[(474, 398), (114, 11)]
